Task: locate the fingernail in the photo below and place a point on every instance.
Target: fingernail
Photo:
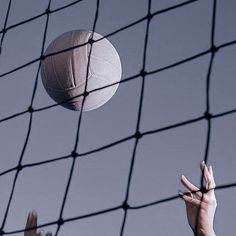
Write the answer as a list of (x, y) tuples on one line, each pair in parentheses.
[(183, 177), (180, 194), (34, 213)]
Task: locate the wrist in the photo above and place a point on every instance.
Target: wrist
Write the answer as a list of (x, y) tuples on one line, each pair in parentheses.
[(209, 233)]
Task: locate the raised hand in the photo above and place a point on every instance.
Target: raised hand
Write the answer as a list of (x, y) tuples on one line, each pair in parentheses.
[(201, 206), (32, 223)]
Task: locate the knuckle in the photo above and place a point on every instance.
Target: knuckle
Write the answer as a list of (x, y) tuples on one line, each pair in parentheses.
[(214, 202), (210, 200)]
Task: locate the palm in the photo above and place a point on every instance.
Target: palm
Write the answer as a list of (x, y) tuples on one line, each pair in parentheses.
[(192, 212), (31, 224), (201, 206)]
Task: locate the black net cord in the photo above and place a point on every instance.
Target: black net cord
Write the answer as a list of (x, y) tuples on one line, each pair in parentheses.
[(142, 75), (19, 166), (137, 134), (4, 30), (74, 152)]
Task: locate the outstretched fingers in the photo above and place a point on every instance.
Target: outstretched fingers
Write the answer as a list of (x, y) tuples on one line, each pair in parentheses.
[(31, 223), (208, 176), (191, 187), (188, 198), (212, 185)]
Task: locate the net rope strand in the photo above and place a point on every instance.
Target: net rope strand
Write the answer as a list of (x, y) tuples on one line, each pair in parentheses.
[(74, 152), (207, 114), (189, 59), (125, 205), (108, 210), (4, 30), (7, 28), (19, 166), (137, 134), (106, 36)]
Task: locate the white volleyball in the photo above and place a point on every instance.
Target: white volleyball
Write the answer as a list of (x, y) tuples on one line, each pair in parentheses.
[(64, 74)]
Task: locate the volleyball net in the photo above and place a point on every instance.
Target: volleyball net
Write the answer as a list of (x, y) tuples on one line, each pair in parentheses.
[(31, 111)]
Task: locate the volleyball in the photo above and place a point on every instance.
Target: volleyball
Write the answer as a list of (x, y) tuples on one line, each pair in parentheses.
[(64, 73)]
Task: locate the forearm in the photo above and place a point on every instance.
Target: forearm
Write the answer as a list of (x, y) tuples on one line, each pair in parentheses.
[(209, 233)]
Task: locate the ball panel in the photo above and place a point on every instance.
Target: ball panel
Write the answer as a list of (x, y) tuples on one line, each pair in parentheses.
[(57, 67), (93, 100), (64, 74), (105, 51), (100, 97), (65, 70), (80, 56), (103, 68), (62, 62)]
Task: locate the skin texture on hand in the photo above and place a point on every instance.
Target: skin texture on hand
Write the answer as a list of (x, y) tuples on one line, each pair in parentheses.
[(200, 206), (32, 223)]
